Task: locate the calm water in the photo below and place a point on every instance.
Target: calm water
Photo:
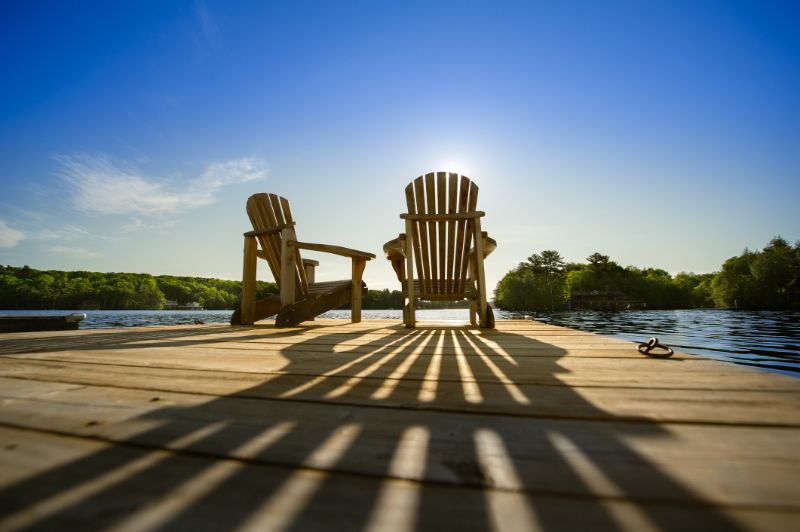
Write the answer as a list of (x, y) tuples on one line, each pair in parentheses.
[(768, 340)]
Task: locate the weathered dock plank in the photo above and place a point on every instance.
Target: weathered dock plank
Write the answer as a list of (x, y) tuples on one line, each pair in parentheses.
[(124, 487), (484, 364), (132, 417), (371, 426), (446, 391)]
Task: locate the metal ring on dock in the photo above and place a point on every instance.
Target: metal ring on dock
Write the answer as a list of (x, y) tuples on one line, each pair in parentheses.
[(646, 348)]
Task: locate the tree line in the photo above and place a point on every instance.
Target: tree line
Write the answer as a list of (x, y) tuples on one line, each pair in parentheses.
[(28, 288), (766, 279)]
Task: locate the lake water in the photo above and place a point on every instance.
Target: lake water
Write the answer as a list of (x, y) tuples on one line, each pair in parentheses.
[(768, 340)]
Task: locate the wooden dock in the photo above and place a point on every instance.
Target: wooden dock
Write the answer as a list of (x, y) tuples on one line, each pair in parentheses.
[(370, 426)]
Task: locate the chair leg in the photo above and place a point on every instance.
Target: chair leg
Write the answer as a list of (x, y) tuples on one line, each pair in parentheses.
[(483, 312), (473, 302), (355, 291), (409, 316), (488, 323), (288, 267), (480, 275), (248, 303)]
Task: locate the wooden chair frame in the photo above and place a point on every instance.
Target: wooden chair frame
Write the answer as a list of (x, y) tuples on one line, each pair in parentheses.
[(444, 242), (300, 298)]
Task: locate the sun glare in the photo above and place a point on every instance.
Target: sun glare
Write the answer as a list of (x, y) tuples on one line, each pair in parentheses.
[(453, 165)]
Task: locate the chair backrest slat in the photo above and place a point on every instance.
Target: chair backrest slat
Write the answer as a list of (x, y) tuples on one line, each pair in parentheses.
[(422, 231), (269, 211), (441, 247), (301, 280), (441, 208), (470, 238), (452, 206), (430, 189), (263, 218), (463, 193)]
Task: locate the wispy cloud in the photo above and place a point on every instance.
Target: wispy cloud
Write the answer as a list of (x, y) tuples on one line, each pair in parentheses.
[(101, 185), (206, 34), (24, 214), (67, 232), (73, 251), (207, 23), (41, 225), (136, 225), (9, 237)]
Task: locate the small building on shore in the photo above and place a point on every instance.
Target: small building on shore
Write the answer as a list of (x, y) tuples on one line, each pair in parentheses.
[(605, 300), (171, 304)]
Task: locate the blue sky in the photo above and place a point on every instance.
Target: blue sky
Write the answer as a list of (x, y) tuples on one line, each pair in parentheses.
[(663, 134)]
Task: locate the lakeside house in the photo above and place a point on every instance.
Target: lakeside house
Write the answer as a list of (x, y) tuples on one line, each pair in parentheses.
[(604, 300), (172, 304)]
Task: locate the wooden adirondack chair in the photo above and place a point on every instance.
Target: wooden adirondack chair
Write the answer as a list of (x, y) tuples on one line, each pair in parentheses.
[(300, 298), (444, 243)]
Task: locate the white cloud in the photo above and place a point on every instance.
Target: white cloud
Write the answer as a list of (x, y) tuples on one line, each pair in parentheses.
[(23, 213), (100, 185), (218, 175), (73, 252), (54, 231), (9, 237), (67, 232), (136, 224)]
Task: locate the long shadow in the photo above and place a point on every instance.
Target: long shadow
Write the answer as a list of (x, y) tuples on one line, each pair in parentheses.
[(428, 429), (138, 338)]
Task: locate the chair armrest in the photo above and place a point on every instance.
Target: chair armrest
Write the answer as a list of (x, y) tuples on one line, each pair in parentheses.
[(308, 267), (395, 249), (306, 262), (489, 245), (336, 250)]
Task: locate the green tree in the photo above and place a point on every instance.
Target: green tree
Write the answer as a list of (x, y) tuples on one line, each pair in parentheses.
[(769, 279), (536, 284), (773, 272), (147, 295), (552, 269), (734, 285)]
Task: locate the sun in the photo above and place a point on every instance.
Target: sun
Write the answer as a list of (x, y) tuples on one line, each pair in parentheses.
[(456, 166)]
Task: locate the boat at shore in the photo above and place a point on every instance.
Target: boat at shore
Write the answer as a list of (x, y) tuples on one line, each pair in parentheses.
[(40, 323)]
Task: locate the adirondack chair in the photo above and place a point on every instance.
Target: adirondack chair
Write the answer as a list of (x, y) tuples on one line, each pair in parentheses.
[(444, 243), (273, 238)]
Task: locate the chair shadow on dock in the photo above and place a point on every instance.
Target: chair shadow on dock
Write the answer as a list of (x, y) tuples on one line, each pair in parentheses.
[(372, 429)]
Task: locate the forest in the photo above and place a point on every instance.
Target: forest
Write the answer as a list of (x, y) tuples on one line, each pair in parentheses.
[(28, 288), (766, 279)]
